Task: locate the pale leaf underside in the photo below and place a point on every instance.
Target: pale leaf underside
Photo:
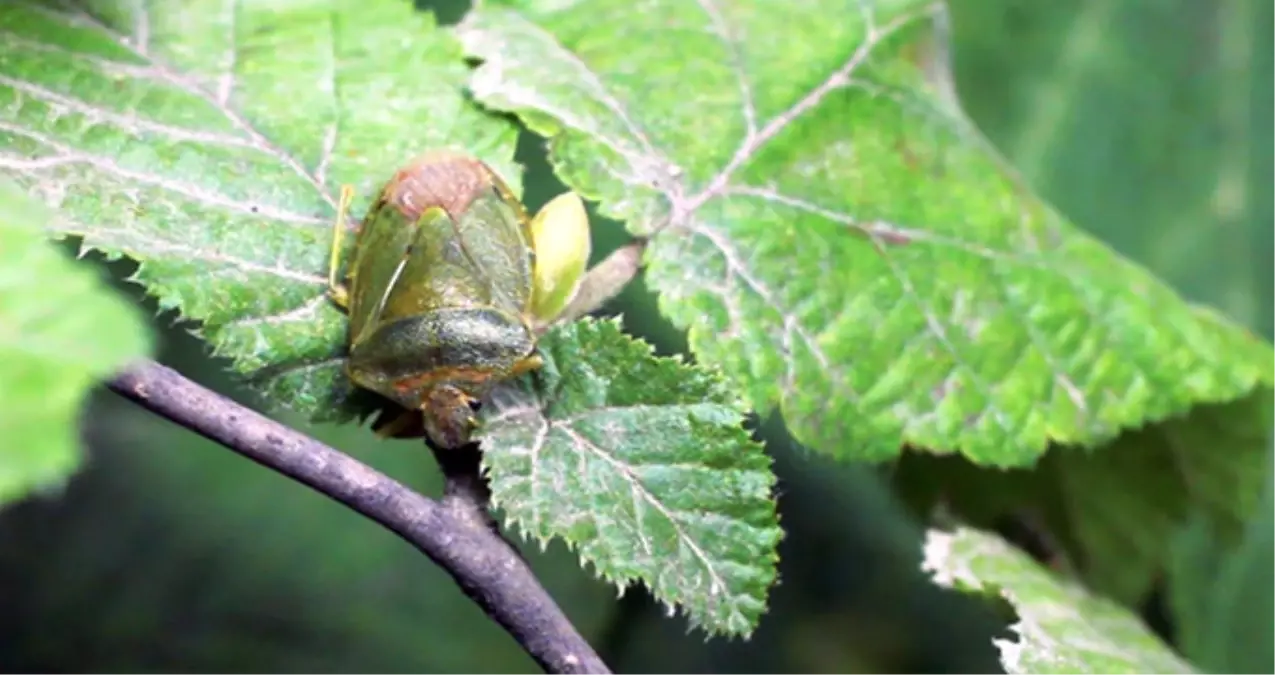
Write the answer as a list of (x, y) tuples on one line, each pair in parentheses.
[(1111, 514), (1061, 627)]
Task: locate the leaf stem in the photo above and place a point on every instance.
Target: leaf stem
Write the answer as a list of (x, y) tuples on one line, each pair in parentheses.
[(604, 281), (486, 567)]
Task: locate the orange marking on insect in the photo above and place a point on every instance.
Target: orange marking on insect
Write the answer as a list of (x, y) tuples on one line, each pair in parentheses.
[(437, 375), (444, 179)]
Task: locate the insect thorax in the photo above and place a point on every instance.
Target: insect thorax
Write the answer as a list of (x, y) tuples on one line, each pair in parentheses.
[(471, 348)]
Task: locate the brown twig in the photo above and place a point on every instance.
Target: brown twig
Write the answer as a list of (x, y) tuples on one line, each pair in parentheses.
[(603, 282), (456, 534)]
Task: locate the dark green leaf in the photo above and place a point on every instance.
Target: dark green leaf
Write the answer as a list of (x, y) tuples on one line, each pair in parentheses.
[(1221, 590), (640, 463)]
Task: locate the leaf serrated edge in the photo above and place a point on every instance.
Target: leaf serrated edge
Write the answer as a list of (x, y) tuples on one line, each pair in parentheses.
[(166, 297), (550, 127), (725, 392), (731, 401), (939, 561), (946, 569)]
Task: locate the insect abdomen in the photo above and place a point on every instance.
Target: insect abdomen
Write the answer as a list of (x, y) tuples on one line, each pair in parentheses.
[(402, 358)]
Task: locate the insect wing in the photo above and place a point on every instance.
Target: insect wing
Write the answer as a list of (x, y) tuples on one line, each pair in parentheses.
[(384, 240), (495, 233), (478, 260), (436, 273)]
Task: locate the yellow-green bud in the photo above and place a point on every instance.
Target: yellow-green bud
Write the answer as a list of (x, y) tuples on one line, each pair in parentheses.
[(560, 237)]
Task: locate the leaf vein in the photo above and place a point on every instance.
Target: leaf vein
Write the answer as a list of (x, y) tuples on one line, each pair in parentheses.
[(738, 268), (131, 123), (598, 90), (508, 413), (107, 66), (304, 366), (537, 444), (887, 234), (332, 84), (303, 312), (839, 78), (526, 97), (67, 155), (173, 77), (636, 496), (724, 33), (940, 333), (226, 83), (164, 247), (717, 584), (1061, 376)]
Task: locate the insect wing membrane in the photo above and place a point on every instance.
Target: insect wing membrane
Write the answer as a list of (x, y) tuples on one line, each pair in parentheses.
[(383, 242), (473, 262), (437, 273), (498, 241)]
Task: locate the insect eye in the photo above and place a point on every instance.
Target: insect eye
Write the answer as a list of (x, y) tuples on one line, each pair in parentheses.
[(475, 404)]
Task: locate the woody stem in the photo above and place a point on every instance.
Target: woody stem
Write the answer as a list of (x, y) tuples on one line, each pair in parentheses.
[(486, 567)]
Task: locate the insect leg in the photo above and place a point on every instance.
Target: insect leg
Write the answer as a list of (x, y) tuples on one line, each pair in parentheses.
[(337, 290), (532, 363), (404, 421)]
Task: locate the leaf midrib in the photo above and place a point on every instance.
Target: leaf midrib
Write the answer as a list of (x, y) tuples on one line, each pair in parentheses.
[(540, 440)]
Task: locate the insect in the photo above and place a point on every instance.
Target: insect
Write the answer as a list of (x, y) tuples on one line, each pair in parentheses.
[(441, 289)]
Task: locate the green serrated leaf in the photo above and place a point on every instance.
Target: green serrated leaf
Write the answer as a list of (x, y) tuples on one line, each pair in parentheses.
[(639, 463), (208, 139), (61, 331), (1061, 627), (1125, 118), (838, 238)]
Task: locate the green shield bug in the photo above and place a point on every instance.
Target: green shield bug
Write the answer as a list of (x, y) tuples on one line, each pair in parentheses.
[(443, 291)]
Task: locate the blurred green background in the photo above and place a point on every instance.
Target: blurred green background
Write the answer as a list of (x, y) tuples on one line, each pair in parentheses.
[(1147, 122)]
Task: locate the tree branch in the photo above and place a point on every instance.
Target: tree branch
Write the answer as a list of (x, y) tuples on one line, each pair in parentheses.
[(488, 569)]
